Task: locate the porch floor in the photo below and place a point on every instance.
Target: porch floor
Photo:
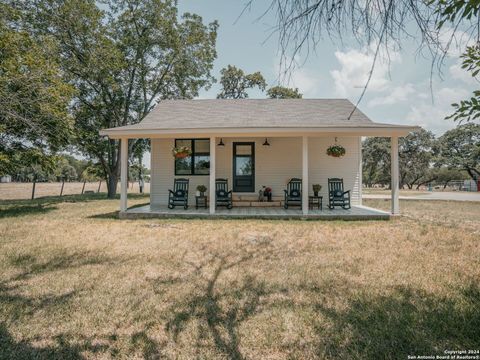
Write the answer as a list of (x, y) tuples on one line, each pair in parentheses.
[(355, 213)]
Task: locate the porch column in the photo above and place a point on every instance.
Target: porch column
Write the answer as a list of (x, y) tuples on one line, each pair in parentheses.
[(395, 175), (123, 173), (305, 175), (213, 147)]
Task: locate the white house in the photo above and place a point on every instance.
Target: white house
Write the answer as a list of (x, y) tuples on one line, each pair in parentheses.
[(254, 143)]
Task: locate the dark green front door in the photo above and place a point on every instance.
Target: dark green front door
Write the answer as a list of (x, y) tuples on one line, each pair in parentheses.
[(244, 167)]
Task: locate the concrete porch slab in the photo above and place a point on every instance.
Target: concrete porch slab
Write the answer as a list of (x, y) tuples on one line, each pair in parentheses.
[(355, 213)]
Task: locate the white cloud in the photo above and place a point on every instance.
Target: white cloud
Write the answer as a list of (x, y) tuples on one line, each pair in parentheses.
[(396, 95), (458, 73), (355, 68), (456, 41), (299, 77), (431, 116)]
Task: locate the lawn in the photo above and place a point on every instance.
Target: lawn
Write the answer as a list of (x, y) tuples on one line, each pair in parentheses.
[(76, 282)]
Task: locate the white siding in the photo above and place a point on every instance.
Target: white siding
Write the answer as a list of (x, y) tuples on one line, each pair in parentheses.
[(274, 165)]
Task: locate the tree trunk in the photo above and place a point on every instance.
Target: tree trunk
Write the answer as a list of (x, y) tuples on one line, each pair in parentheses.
[(112, 182)]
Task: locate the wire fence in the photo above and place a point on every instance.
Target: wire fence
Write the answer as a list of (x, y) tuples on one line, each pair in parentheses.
[(22, 191), (460, 185)]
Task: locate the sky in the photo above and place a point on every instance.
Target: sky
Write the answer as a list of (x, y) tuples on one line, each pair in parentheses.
[(401, 90)]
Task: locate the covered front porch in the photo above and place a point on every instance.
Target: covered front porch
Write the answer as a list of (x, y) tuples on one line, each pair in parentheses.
[(288, 156)]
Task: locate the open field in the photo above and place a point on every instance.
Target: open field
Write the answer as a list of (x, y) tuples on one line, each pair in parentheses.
[(23, 191), (77, 282), (403, 192)]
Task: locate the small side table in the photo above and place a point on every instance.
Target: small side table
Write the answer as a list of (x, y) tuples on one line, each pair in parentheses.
[(200, 201), (315, 201)]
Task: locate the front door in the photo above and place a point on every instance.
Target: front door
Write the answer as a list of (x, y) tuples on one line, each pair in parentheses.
[(244, 167)]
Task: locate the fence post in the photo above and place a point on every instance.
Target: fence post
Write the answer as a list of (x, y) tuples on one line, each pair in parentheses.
[(63, 183), (99, 186), (33, 188), (83, 188)]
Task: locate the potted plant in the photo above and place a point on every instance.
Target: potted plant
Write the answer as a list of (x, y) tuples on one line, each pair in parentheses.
[(181, 152), (336, 150), (267, 192), (201, 189), (316, 189)]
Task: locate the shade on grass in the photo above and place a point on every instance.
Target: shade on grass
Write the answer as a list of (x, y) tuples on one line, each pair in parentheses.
[(77, 282)]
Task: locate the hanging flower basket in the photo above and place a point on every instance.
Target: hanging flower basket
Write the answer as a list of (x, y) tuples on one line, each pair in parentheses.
[(181, 152), (336, 151)]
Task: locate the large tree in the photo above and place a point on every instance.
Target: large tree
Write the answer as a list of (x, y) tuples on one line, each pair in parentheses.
[(123, 58), (34, 121), (235, 83), (416, 152), (459, 148)]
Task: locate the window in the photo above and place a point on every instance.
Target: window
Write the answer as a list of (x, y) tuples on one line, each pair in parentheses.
[(196, 164)]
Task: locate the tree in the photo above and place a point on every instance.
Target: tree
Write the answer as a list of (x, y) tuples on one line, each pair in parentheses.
[(376, 161), (123, 58), (235, 83), (445, 175), (415, 159), (459, 148), (34, 121), (64, 171), (280, 92), (469, 110)]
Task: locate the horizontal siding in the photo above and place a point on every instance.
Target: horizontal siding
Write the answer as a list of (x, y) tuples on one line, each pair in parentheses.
[(274, 165)]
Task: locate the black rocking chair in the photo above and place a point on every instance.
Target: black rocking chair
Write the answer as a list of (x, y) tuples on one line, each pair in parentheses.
[(223, 197), (179, 194), (336, 195), (293, 193)]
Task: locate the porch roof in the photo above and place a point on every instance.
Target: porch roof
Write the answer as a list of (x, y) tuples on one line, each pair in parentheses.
[(272, 117)]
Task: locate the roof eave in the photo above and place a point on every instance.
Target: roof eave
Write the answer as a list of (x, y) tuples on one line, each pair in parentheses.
[(382, 131)]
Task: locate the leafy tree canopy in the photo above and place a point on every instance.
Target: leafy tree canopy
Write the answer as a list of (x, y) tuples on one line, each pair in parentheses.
[(469, 110), (235, 83), (280, 92), (34, 121), (123, 57), (459, 148)]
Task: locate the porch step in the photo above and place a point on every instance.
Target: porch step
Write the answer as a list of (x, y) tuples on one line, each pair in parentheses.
[(244, 203)]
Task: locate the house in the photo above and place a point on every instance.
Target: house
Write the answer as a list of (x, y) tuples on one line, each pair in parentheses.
[(255, 143)]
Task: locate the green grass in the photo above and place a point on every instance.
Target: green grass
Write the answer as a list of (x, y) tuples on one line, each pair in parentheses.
[(76, 282)]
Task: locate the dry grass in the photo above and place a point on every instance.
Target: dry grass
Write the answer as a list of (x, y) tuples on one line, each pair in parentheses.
[(386, 192), (76, 282), (23, 191)]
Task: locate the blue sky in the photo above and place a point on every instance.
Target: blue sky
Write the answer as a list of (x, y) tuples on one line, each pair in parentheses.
[(398, 93)]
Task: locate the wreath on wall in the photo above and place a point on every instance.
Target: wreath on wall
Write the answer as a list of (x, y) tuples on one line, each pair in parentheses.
[(336, 150), (181, 152)]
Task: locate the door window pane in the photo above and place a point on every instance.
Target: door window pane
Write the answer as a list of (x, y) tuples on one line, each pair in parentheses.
[(243, 166), (244, 150)]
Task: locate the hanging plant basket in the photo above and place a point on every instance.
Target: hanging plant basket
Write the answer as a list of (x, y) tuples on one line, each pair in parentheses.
[(336, 151), (181, 152)]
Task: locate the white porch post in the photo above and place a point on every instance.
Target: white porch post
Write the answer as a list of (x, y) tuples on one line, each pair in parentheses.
[(123, 173), (394, 175), (213, 146), (305, 175)]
